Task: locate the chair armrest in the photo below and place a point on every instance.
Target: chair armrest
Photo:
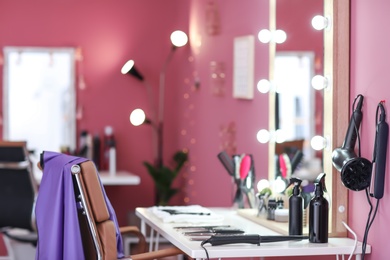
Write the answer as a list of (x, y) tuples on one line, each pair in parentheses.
[(171, 251), (134, 230), (142, 246)]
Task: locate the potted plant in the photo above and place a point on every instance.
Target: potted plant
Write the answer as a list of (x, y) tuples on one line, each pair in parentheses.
[(163, 177)]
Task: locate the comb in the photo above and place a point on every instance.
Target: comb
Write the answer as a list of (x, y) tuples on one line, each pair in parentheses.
[(227, 162)]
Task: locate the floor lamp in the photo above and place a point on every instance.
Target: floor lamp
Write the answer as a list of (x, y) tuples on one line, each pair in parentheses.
[(137, 116)]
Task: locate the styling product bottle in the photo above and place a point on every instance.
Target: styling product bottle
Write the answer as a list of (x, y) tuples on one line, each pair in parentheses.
[(319, 213), (271, 209), (295, 213), (112, 160), (109, 154), (96, 150)]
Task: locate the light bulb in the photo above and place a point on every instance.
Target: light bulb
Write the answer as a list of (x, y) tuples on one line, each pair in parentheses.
[(264, 36), (319, 22), (280, 36), (318, 142), (137, 117), (263, 136), (319, 82), (262, 184), (179, 38), (127, 67), (264, 86), (278, 185)]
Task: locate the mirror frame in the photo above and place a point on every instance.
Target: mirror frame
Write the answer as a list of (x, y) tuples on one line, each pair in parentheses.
[(336, 104)]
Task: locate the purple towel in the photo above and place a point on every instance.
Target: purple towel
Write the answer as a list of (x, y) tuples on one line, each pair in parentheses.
[(56, 213)]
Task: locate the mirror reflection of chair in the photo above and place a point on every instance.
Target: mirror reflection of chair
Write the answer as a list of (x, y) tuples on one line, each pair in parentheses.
[(92, 224), (18, 192), (289, 146)]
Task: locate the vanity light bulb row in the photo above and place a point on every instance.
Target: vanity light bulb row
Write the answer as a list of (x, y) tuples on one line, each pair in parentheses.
[(277, 36), (265, 136), (318, 82)]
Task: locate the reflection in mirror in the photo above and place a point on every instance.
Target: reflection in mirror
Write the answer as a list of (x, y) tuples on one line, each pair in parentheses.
[(298, 108), (39, 98), (296, 112)]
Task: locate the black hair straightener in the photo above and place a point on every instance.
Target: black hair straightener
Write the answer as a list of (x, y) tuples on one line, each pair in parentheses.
[(218, 240)]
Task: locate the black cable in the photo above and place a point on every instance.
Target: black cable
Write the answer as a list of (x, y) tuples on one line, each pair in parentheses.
[(368, 226), (367, 192), (202, 245), (354, 123), (364, 243)]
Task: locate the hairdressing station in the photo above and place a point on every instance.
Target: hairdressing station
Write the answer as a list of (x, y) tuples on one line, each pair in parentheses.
[(335, 246), (336, 94)]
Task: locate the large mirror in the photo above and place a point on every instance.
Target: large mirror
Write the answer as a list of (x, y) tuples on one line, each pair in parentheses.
[(335, 98), (329, 107)]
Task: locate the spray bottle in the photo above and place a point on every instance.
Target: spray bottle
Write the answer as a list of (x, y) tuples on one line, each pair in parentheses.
[(319, 213), (295, 213)]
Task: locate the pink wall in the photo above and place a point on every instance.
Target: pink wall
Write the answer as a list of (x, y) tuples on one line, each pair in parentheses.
[(107, 39), (108, 34), (370, 61)]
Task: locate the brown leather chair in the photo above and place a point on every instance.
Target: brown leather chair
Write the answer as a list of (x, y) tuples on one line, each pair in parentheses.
[(97, 230)]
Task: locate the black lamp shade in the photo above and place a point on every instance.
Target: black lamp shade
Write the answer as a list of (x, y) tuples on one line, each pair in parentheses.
[(130, 69)]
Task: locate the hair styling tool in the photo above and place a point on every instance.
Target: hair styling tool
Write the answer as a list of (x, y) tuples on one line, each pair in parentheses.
[(215, 231), (379, 158), (227, 162), (218, 240), (298, 156), (202, 227), (380, 151), (178, 212), (228, 230), (245, 166), (355, 170)]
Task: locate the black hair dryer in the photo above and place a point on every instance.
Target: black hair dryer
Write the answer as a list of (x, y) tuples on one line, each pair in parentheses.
[(355, 171)]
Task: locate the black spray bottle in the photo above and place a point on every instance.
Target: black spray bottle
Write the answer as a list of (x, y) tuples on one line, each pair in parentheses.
[(295, 212), (319, 213)]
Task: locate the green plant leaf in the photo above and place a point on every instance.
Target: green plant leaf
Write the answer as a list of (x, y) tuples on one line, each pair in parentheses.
[(163, 177)]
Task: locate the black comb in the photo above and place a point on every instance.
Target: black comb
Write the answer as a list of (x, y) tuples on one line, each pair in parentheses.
[(227, 161)]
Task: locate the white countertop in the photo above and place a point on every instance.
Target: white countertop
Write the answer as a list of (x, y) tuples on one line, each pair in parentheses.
[(335, 246), (120, 178)]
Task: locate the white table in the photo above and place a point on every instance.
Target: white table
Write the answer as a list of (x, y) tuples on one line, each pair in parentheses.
[(120, 178), (335, 246)]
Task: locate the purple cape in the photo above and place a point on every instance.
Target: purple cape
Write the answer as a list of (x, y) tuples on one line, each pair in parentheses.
[(56, 213)]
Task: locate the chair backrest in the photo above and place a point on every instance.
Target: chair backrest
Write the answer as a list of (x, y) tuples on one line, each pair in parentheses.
[(289, 146), (98, 231), (18, 188)]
